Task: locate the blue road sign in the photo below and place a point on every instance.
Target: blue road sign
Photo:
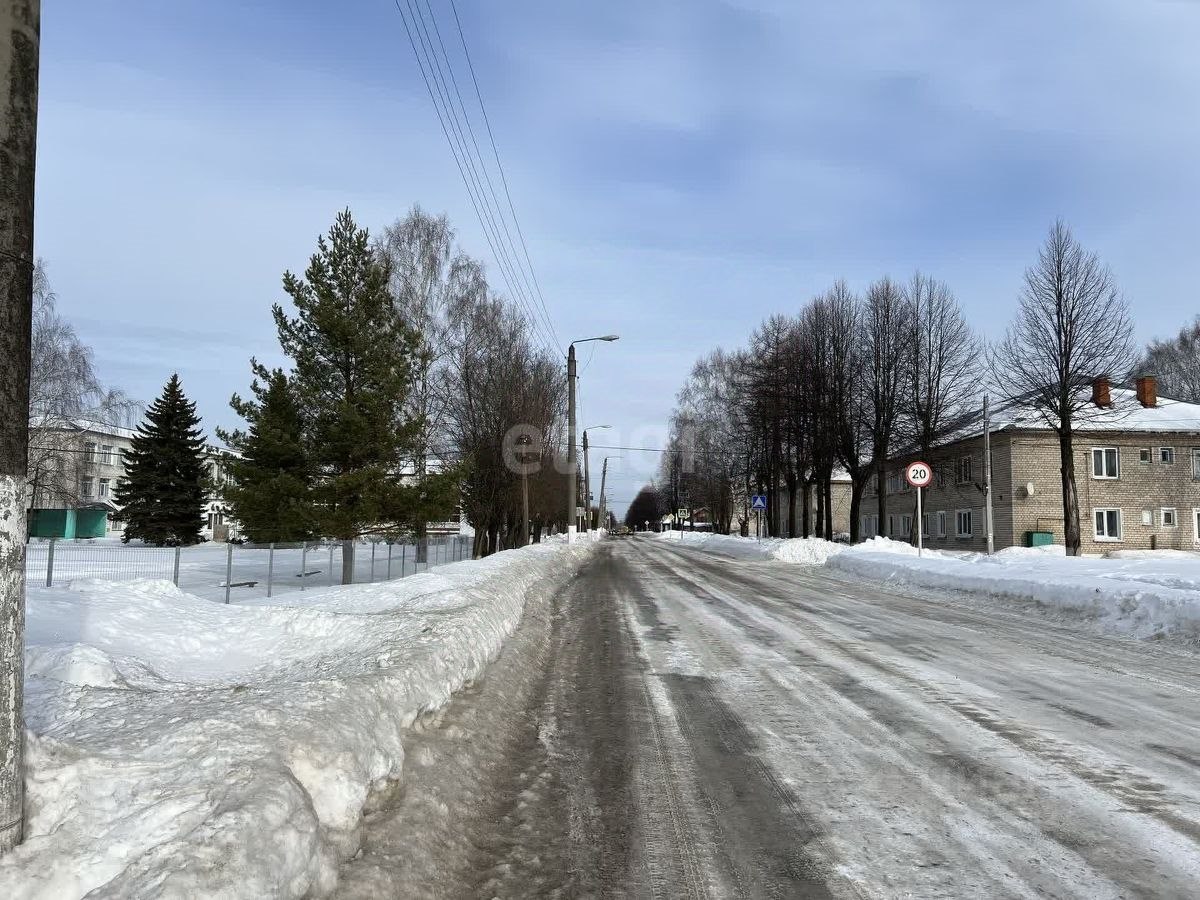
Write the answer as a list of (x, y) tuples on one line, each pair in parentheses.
[(758, 501)]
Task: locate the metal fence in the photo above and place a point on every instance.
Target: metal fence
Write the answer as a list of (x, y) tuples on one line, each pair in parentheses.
[(230, 572)]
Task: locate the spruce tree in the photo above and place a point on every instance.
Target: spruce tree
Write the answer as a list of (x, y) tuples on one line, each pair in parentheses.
[(269, 489), (353, 358), (163, 491)]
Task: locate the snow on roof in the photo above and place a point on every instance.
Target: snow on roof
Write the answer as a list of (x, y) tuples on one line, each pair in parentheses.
[(1126, 413)]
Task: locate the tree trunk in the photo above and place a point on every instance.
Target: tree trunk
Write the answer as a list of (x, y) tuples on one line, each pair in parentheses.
[(790, 482), (348, 561), (820, 523), (829, 509), (806, 507), (881, 500), (858, 485), (1066, 449)]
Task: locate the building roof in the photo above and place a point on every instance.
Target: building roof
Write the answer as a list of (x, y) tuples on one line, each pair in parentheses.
[(1126, 413)]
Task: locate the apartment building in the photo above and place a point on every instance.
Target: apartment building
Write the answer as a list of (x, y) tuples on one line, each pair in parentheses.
[(1137, 473), (75, 465)]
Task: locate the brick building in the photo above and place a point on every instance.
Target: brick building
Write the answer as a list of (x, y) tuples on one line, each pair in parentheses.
[(1137, 472)]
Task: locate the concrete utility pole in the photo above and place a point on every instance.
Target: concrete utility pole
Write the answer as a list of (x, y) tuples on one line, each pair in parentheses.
[(524, 493), (572, 462), (987, 476), (19, 50), (587, 487), (572, 487), (603, 480)]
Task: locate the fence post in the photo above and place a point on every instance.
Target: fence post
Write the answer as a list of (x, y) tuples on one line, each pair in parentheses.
[(373, 543), (389, 563), (50, 564), (331, 564), (403, 558), (303, 561), (175, 572), (228, 567), (270, 566)]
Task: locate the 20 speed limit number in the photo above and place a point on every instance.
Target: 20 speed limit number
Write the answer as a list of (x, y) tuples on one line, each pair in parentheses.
[(918, 474)]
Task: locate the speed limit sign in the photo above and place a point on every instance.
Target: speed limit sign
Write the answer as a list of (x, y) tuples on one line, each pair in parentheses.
[(918, 474)]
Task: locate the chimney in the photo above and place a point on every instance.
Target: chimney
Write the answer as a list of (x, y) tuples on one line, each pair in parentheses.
[(1147, 391), (1100, 392)]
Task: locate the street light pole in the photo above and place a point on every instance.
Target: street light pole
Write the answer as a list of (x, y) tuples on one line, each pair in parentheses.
[(572, 487), (572, 462), (587, 478)]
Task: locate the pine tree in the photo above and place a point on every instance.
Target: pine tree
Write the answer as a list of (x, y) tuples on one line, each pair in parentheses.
[(269, 490), (353, 359), (163, 491)]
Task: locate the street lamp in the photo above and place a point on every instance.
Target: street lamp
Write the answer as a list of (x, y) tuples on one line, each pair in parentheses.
[(572, 464), (587, 479)]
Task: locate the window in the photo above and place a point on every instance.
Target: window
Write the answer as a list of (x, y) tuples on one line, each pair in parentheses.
[(86, 487), (905, 526), (106, 454), (927, 525), (893, 482), (1166, 455), (1196, 525), (103, 492), (1108, 524), (1147, 517), (962, 519), (1196, 464), (89, 452), (891, 525), (965, 473), (1105, 462), (1144, 456), (941, 524), (939, 478), (1168, 517)]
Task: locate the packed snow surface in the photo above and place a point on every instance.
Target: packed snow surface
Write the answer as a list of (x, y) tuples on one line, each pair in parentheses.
[(184, 748), (1142, 593)]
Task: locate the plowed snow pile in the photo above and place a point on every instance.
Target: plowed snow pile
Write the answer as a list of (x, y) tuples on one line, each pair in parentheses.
[(1145, 594), (184, 748)]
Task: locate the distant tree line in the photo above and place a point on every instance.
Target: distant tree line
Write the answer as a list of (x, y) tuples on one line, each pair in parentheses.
[(853, 380)]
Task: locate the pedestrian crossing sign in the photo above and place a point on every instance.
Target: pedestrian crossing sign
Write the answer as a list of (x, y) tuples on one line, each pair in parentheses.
[(758, 501)]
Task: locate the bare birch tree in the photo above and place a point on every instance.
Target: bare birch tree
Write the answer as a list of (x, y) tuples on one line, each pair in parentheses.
[(1072, 326), (1176, 364), (886, 339)]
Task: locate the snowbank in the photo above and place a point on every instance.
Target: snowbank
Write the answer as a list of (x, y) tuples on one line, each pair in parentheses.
[(1142, 593), (1145, 595), (183, 748), (802, 551)]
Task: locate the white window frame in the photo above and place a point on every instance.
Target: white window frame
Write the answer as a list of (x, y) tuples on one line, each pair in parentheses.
[(106, 454), (1196, 464), (1108, 538), (1145, 456), (1148, 517), (1196, 524), (102, 488), (1162, 517), (958, 520), (941, 523), (891, 524), (905, 524), (87, 487), (970, 467), (1166, 456), (89, 452), (893, 483), (1104, 451)]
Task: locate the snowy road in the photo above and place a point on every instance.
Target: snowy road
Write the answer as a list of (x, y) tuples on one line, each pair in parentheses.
[(679, 724)]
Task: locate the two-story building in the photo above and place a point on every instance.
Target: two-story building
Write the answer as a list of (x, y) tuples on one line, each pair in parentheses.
[(75, 466), (1137, 474)]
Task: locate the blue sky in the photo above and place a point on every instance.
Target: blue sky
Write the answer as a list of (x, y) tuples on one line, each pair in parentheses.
[(681, 169)]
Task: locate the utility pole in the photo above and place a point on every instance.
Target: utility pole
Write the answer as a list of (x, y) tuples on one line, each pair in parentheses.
[(19, 51), (603, 478), (524, 493), (572, 486), (587, 487), (987, 476)]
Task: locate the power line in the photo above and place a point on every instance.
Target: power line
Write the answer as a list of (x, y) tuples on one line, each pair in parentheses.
[(430, 66), (499, 165)]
